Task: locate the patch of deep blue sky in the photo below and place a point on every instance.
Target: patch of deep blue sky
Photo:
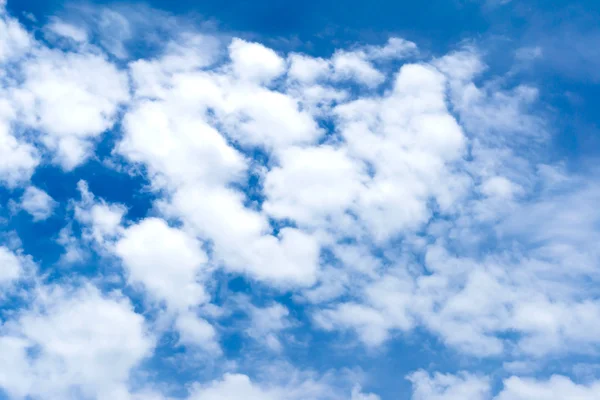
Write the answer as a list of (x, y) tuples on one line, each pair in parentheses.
[(568, 77)]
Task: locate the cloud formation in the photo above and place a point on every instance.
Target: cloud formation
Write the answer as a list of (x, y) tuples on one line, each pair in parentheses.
[(360, 200)]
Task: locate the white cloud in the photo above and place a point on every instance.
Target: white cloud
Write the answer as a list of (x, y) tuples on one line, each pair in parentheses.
[(18, 159), (528, 54), (470, 302), (14, 39), (115, 29), (166, 261), (254, 62), (490, 111), (241, 238), (71, 98), (66, 30), (235, 386), (266, 324), (370, 325), (74, 251), (196, 331), (72, 341), (358, 395), (499, 186), (387, 308), (556, 388), (408, 137), (465, 386), (267, 118), (283, 384), (12, 266), (101, 221), (312, 184), (307, 69), (354, 66), (178, 147), (37, 203), (395, 48), (448, 387)]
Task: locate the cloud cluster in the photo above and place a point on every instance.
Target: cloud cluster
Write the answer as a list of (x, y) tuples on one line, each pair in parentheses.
[(379, 191), (67, 343), (465, 386)]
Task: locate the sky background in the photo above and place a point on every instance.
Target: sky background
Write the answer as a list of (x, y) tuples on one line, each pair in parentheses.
[(283, 201)]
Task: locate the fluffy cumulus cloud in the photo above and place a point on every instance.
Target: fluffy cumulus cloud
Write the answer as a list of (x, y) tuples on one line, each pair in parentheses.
[(235, 386), (448, 387), (227, 220), (13, 266), (465, 386), (37, 203), (68, 97), (72, 343), (164, 260), (71, 98), (19, 159), (283, 384)]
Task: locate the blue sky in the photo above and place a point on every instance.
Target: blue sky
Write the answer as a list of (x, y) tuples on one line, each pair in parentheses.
[(260, 200)]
